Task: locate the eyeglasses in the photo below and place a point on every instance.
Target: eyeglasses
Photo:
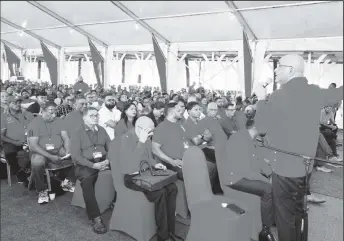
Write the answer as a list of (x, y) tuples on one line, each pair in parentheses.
[(282, 65), (94, 116)]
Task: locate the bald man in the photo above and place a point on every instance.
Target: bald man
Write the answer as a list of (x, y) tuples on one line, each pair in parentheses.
[(136, 146), (212, 110), (290, 120)]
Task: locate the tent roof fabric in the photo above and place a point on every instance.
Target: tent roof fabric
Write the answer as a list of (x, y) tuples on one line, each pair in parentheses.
[(67, 23)]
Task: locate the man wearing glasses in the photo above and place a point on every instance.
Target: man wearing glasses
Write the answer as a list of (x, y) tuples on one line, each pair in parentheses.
[(50, 146), (109, 115), (89, 146), (290, 120)]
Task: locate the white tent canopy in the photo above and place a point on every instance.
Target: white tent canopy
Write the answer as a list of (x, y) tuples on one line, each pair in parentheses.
[(66, 23), (180, 27)]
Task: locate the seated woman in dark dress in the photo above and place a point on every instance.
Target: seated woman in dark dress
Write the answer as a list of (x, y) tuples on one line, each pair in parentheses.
[(128, 119)]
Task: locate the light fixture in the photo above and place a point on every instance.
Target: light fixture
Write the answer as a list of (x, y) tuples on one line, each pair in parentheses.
[(71, 30), (21, 33), (24, 24), (137, 27), (231, 16)]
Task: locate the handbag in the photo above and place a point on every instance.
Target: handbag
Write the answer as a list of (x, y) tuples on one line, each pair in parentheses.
[(153, 180)]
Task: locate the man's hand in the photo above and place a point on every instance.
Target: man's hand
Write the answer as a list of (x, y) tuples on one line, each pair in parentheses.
[(20, 143), (56, 159), (177, 163), (333, 127), (98, 166), (207, 135), (106, 162), (160, 166), (104, 165), (144, 134), (104, 168)]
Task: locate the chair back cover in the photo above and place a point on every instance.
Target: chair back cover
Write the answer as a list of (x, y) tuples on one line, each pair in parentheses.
[(196, 176)]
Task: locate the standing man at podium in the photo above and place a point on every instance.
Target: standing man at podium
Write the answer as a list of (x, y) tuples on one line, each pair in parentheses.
[(290, 120)]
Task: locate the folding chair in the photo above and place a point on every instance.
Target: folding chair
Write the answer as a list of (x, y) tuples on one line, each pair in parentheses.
[(48, 171)]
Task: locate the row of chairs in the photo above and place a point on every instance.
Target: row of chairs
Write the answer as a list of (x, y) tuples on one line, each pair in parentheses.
[(134, 215)]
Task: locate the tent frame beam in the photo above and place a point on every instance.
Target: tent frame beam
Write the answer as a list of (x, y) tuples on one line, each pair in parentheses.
[(284, 5), (241, 19), (139, 21), (40, 38), (128, 20), (65, 21), (12, 44)]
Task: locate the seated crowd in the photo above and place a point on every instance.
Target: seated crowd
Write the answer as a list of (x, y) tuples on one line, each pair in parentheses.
[(60, 125)]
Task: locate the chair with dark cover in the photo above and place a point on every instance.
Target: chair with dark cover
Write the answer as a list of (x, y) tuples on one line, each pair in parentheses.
[(133, 214), (209, 219), (248, 201), (104, 190)]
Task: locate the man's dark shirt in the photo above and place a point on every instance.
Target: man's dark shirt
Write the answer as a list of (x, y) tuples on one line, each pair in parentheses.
[(290, 119), (85, 142)]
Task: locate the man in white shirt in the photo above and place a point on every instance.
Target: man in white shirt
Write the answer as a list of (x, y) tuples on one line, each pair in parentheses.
[(109, 115)]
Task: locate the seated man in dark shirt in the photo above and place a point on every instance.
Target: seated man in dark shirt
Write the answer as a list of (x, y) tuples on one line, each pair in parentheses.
[(89, 147), (328, 128), (74, 119), (199, 134), (50, 146), (229, 125), (136, 147), (169, 140), (14, 123)]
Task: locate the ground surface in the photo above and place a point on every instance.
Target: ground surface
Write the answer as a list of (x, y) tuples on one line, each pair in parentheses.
[(23, 219)]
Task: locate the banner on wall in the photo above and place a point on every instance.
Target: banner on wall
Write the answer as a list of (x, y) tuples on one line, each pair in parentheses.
[(98, 63), (51, 62), (13, 61), (161, 63), (247, 66)]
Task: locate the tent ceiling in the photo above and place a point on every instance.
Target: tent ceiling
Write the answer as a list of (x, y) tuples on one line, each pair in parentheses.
[(182, 21)]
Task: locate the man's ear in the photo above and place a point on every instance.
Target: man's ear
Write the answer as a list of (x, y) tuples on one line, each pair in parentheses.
[(291, 71)]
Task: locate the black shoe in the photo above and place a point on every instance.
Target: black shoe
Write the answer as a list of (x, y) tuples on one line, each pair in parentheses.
[(175, 237), (98, 226), (266, 235), (22, 177)]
